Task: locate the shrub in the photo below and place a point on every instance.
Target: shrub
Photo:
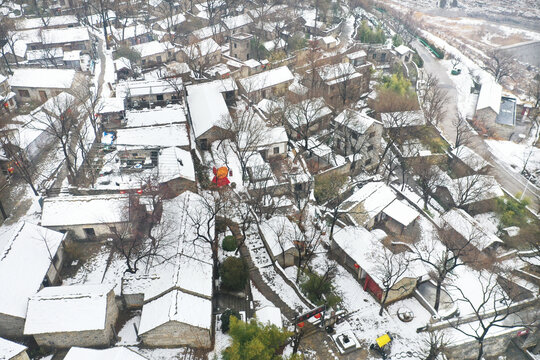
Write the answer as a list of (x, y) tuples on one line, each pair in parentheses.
[(225, 319), (512, 212), (234, 274), (229, 243), (319, 289)]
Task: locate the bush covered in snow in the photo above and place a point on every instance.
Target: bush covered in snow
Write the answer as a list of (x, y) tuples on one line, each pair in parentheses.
[(234, 274)]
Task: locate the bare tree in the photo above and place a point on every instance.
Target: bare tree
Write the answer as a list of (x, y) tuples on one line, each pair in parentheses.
[(303, 119), (18, 157), (307, 242), (493, 301), (434, 100), (427, 177), (463, 131), (390, 270), (500, 64), (89, 97), (472, 188), (246, 131), (60, 119), (8, 36)]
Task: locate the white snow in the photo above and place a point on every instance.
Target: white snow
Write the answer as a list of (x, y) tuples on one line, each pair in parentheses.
[(175, 163), (269, 315), (127, 333), (158, 136), (10, 349), (470, 229), (115, 353), (280, 234), (267, 79), (401, 212), (42, 78), (81, 210), (157, 116), (207, 107), (515, 154)]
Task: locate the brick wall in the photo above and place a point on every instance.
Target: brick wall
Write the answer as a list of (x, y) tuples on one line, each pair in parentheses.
[(174, 333)]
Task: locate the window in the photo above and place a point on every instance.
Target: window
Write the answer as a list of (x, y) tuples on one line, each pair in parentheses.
[(371, 134), (247, 56), (112, 229), (368, 161), (204, 144), (374, 56), (235, 45), (370, 147), (158, 58), (383, 56), (159, 97), (89, 232), (236, 56), (276, 150), (143, 61), (24, 93), (354, 136)]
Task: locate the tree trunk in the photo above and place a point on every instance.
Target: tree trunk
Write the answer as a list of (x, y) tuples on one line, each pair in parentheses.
[(383, 302), (481, 350)]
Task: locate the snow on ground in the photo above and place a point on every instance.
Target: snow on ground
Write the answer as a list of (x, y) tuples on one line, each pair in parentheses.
[(127, 334), (166, 354), (109, 74), (490, 221), (96, 271), (259, 299), (515, 155), (284, 291), (222, 341)]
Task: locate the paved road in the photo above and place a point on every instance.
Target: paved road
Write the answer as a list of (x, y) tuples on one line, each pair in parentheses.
[(511, 181)]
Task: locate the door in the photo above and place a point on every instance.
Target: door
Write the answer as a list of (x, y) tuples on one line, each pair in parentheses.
[(90, 233), (42, 95)]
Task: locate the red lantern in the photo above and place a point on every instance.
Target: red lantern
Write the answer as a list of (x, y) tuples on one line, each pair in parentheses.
[(139, 191), (357, 266), (301, 324), (122, 192), (318, 316)]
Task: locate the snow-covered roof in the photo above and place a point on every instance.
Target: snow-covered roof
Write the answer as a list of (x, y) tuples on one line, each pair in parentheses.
[(190, 266), (73, 55), (175, 163), (111, 105), (402, 50), (470, 229), (280, 234), (373, 197), (40, 54), (336, 71), (151, 48), (206, 106), (157, 116), (401, 212), (172, 21), (274, 44), (357, 54), (267, 79), (67, 308), (268, 106), (65, 35), (470, 158), (274, 135), (355, 120), (270, 315), (328, 40), (146, 88), (37, 23), (403, 118), (114, 353), (208, 31), (489, 96), (122, 63), (82, 210), (131, 31), (10, 349), (25, 259), (42, 78), (235, 22), (176, 306), (474, 188), (160, 136), (201, 48)]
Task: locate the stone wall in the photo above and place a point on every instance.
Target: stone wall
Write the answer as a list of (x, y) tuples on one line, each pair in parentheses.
[(493, 346), (21, 356), (11, 326), (175, 333)]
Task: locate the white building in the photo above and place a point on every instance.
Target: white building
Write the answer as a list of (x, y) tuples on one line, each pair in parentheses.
[(40, 84)]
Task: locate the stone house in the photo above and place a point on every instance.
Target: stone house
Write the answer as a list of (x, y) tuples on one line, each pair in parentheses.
[(76, 315), (154, 53), (341, 82), (237, 24), (361, 252), (400, 218), (147, 93), (39, 85), (266, 84), (176, 172), (466, 162), (157, 136), (404, 53), (111, 113), (133, 35), (10, 350), (283, 238), (240, 46), (313, 113), (358, 137), (86, 217), (207, 110), (357, 58), (202, 54), (53, 22), (33, 255), (488, 105)]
